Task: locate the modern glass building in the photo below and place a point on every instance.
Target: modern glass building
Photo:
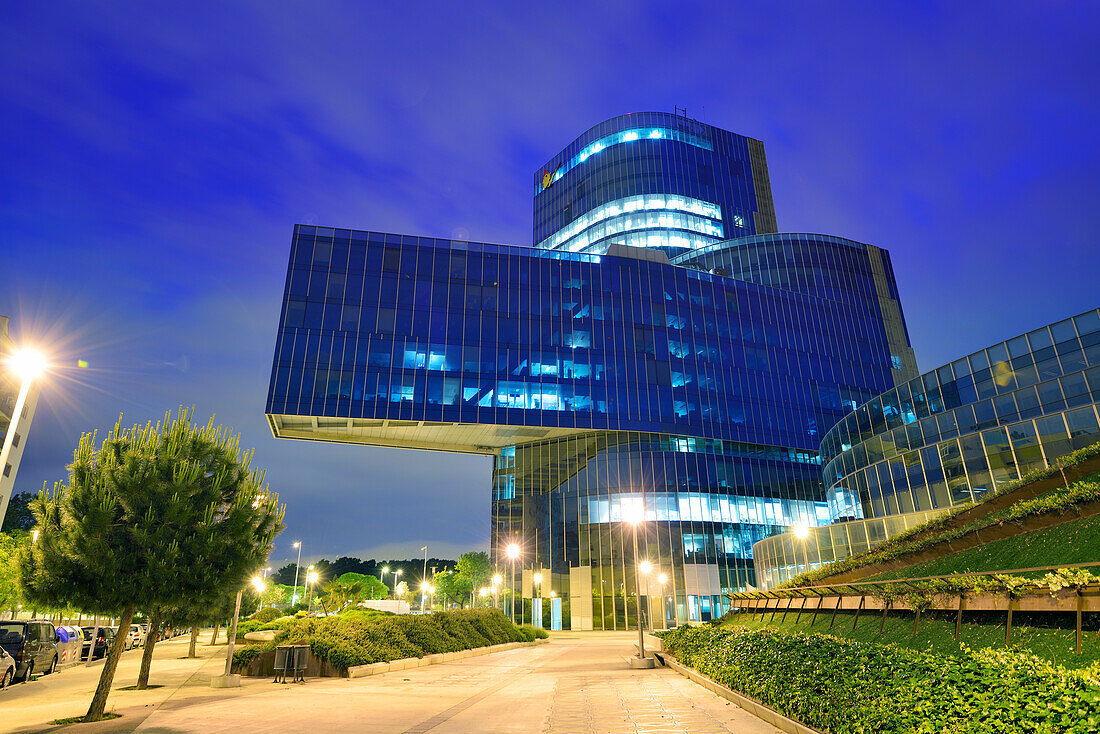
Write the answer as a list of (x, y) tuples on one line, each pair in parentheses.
[(604, 377), (949, 436)]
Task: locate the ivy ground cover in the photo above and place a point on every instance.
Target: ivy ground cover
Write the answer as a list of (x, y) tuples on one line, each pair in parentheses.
[(847, 687)]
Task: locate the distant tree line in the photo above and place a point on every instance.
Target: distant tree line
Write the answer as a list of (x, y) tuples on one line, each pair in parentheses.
[(411, 569)]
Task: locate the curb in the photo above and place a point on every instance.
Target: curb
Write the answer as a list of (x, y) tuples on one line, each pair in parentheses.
[(361, 671), (751, 705)]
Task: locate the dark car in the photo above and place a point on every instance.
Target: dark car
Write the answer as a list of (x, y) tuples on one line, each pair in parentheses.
[(33, 644), (102, 642)]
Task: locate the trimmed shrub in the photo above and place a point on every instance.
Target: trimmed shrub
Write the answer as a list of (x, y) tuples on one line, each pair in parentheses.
[(365, 636), (846, 687), (266, 615), (533, 633)]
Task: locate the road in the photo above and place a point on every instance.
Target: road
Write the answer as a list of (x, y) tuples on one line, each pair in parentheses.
[(577, 682)]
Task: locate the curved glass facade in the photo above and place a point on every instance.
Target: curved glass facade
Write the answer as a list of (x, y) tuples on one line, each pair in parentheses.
[(677, 222), (654, 153), (779, 558), (953, 434)]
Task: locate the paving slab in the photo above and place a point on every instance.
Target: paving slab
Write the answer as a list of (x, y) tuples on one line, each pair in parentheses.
[(579, 682)]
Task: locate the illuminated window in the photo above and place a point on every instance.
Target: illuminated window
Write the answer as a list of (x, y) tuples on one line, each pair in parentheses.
[(625, 136), (647, 220)]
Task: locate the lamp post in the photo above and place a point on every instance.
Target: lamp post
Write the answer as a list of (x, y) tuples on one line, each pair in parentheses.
[(513, 553), (297, 568), (27, 365), (645, 568), (496, 589), (662, 579), (423, 578), (635, 515), (311, 578), (397, 572), (229, 680), (385, 570), (425, 589), (536, 597)]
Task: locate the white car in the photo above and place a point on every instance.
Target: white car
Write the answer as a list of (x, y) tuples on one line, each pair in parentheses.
[(136, 637), (7, 669)]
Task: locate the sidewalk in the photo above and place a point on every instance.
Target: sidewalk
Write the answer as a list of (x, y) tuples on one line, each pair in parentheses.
[(30, 707), (578, 682)]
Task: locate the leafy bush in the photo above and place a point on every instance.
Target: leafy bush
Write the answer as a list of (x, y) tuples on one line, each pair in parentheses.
[(847, 687), (266, 615), (533, 633), (366, 636)]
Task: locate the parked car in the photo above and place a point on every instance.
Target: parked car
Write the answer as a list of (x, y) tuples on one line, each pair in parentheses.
[(7, 669), (136, 637), (102, 642), (32, 644)]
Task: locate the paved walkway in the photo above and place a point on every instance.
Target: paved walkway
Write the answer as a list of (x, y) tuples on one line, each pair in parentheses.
[(578, 682)]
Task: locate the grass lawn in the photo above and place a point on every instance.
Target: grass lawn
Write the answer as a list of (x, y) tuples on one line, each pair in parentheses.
[(1072, 542), (937, 632)]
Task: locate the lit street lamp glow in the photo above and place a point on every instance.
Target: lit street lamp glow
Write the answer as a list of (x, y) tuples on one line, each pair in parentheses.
[(27, 364), (801, 530), (645, 567)]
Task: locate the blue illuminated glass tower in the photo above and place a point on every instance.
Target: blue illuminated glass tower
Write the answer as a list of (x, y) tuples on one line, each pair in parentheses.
[(661, 348)]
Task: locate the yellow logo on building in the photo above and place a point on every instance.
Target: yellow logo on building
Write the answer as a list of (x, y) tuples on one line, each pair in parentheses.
[(548, 177)]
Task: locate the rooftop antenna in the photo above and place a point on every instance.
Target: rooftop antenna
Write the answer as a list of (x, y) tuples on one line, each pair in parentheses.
[(679, 111)]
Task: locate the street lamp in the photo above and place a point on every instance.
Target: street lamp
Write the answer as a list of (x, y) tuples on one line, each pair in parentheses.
[(802, 532), (634, 513), (28, 365), (311, 579), (645, 568), (260, 586), (512, 551), (496, 586), (229, 680), (297, 567)]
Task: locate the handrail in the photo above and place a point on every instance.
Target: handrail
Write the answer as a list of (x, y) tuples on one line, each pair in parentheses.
[(853, 584)]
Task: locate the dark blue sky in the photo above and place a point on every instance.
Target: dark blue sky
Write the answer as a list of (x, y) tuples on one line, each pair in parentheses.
[(154, 161)]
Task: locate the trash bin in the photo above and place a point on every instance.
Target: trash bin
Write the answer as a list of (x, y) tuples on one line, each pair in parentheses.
[(292, 660), (301, 661)]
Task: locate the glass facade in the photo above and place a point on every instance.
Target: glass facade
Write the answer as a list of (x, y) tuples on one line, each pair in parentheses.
[(607, 377), (950, 435), (701, 185)]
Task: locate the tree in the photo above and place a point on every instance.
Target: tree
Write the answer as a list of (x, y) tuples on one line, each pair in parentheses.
[(452, 586), (10, 593), (476, 568), (285, 575), (343, 590), (19, 515), (167, 518)]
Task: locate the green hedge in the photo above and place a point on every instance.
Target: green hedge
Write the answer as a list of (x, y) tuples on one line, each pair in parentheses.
[(932, 532), (267, 615), (364, 637), (846, 687)]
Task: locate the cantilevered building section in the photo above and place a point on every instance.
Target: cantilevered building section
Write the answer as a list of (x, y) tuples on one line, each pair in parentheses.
[(660, 348)]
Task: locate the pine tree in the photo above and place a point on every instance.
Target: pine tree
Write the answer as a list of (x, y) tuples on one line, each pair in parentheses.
[(159, 518)]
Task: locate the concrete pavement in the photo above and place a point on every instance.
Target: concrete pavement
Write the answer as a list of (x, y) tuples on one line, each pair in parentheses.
[(578, 682)]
